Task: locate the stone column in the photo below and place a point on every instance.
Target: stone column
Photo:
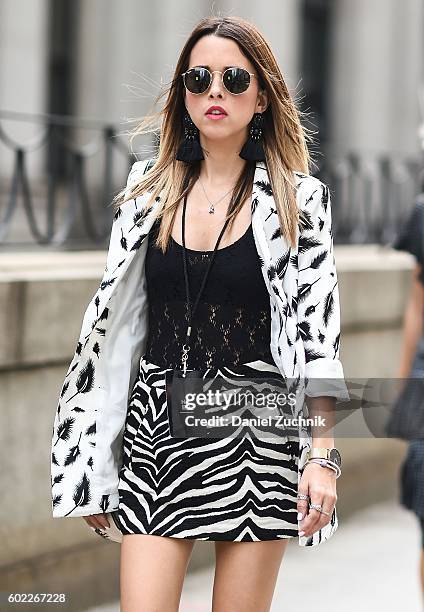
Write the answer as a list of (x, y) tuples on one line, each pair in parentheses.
[(377, 65), (23, 70)]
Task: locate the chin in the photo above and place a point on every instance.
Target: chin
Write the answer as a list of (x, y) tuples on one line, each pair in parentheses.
[(216, 133)]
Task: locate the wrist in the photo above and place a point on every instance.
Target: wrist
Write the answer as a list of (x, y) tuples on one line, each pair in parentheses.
[(326, 463), (324, 452), (323, 442)]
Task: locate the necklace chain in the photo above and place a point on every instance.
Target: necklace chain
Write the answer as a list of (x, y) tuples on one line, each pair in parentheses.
[(212, 205)]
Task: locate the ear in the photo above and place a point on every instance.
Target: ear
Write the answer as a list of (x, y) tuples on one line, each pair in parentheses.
[(262, 101)]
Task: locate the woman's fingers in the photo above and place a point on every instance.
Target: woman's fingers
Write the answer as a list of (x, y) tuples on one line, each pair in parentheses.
[(98, 521), (102, 520), (310, 523), (321, 487), (92, 522), (302, 504)]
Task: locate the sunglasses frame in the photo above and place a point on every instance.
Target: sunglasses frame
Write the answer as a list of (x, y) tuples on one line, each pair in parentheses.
[(222, 79)]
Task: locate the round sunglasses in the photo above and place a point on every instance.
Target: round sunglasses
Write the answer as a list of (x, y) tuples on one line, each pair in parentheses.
[(236, 80)]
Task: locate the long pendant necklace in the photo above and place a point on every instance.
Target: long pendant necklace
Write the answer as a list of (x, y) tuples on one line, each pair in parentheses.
[(191, 310)]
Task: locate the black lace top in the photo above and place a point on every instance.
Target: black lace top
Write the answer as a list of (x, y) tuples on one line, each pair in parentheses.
[(232, 322)]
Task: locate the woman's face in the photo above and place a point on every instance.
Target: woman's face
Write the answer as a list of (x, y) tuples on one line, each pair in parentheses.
[(215, 53)]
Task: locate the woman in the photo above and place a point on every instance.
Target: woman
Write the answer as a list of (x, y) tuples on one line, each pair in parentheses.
[(411, 239), (231, 148)]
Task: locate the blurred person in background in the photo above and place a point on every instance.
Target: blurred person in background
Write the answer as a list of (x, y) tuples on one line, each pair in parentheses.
[(411, 364)]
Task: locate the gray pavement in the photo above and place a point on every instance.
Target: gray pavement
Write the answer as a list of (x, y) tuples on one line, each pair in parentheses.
[(370, 564)]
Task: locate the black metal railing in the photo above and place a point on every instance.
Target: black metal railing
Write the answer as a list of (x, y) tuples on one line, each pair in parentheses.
[(57, 204), (371, 194), (61, 208)]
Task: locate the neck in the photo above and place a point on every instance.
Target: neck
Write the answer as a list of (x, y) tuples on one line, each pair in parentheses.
[(223, 164)]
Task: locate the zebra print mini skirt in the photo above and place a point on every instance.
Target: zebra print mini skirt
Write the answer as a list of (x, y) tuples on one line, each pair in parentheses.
[(224, 488)]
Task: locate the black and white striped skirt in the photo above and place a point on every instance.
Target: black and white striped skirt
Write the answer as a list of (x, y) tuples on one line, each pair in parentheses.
[(223, 488)]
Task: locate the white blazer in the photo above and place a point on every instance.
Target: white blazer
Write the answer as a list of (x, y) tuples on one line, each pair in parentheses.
[(305, 339)]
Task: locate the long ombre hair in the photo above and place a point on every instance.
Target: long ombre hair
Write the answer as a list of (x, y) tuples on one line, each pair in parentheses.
[(284, 138)]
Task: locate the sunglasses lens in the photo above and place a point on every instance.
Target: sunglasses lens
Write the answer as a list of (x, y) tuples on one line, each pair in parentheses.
[(236, 80), (197, 80)]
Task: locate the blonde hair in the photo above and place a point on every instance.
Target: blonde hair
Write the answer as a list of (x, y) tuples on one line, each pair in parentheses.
[(284, 138)]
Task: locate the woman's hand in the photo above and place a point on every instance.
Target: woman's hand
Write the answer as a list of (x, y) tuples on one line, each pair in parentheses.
[(320, 484), (98, 521)]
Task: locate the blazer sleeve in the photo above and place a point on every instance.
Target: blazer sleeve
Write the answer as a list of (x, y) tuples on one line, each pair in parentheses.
[(318, 295), (95, 417)]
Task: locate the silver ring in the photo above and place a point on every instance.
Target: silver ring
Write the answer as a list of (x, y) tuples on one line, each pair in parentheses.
[(319, 508), (302, 496)]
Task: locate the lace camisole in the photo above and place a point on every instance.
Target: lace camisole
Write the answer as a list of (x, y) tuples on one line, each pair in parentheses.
[(232, 322)]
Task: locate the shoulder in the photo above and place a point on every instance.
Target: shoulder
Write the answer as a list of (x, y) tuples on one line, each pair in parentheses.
[(313, 195), (137, 170), (307, 184)]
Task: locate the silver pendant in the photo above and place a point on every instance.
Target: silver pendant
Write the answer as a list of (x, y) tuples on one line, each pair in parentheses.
[(184, 359), (211, 209)]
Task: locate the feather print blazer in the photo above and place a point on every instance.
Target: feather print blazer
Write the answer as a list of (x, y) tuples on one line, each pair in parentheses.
[(86, 453)]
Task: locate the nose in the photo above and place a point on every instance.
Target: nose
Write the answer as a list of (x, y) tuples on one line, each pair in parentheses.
[(217, 86)]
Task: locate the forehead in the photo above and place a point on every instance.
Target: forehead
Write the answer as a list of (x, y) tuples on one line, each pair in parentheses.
[(217, 53)]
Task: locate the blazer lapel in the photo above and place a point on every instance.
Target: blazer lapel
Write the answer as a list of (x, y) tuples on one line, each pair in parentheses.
[(279, 267)]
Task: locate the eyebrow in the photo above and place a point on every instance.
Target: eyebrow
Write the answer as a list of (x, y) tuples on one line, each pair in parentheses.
[(225, 67)]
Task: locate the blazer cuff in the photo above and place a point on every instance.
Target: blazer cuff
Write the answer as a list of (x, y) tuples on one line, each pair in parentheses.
[(325, 377)]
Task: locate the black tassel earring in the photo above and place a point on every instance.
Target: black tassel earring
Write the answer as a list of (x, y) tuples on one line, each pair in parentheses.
[(253, 147), (189, 149)]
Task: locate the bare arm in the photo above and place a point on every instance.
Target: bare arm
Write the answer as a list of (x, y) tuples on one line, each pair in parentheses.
[(323, 406)]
